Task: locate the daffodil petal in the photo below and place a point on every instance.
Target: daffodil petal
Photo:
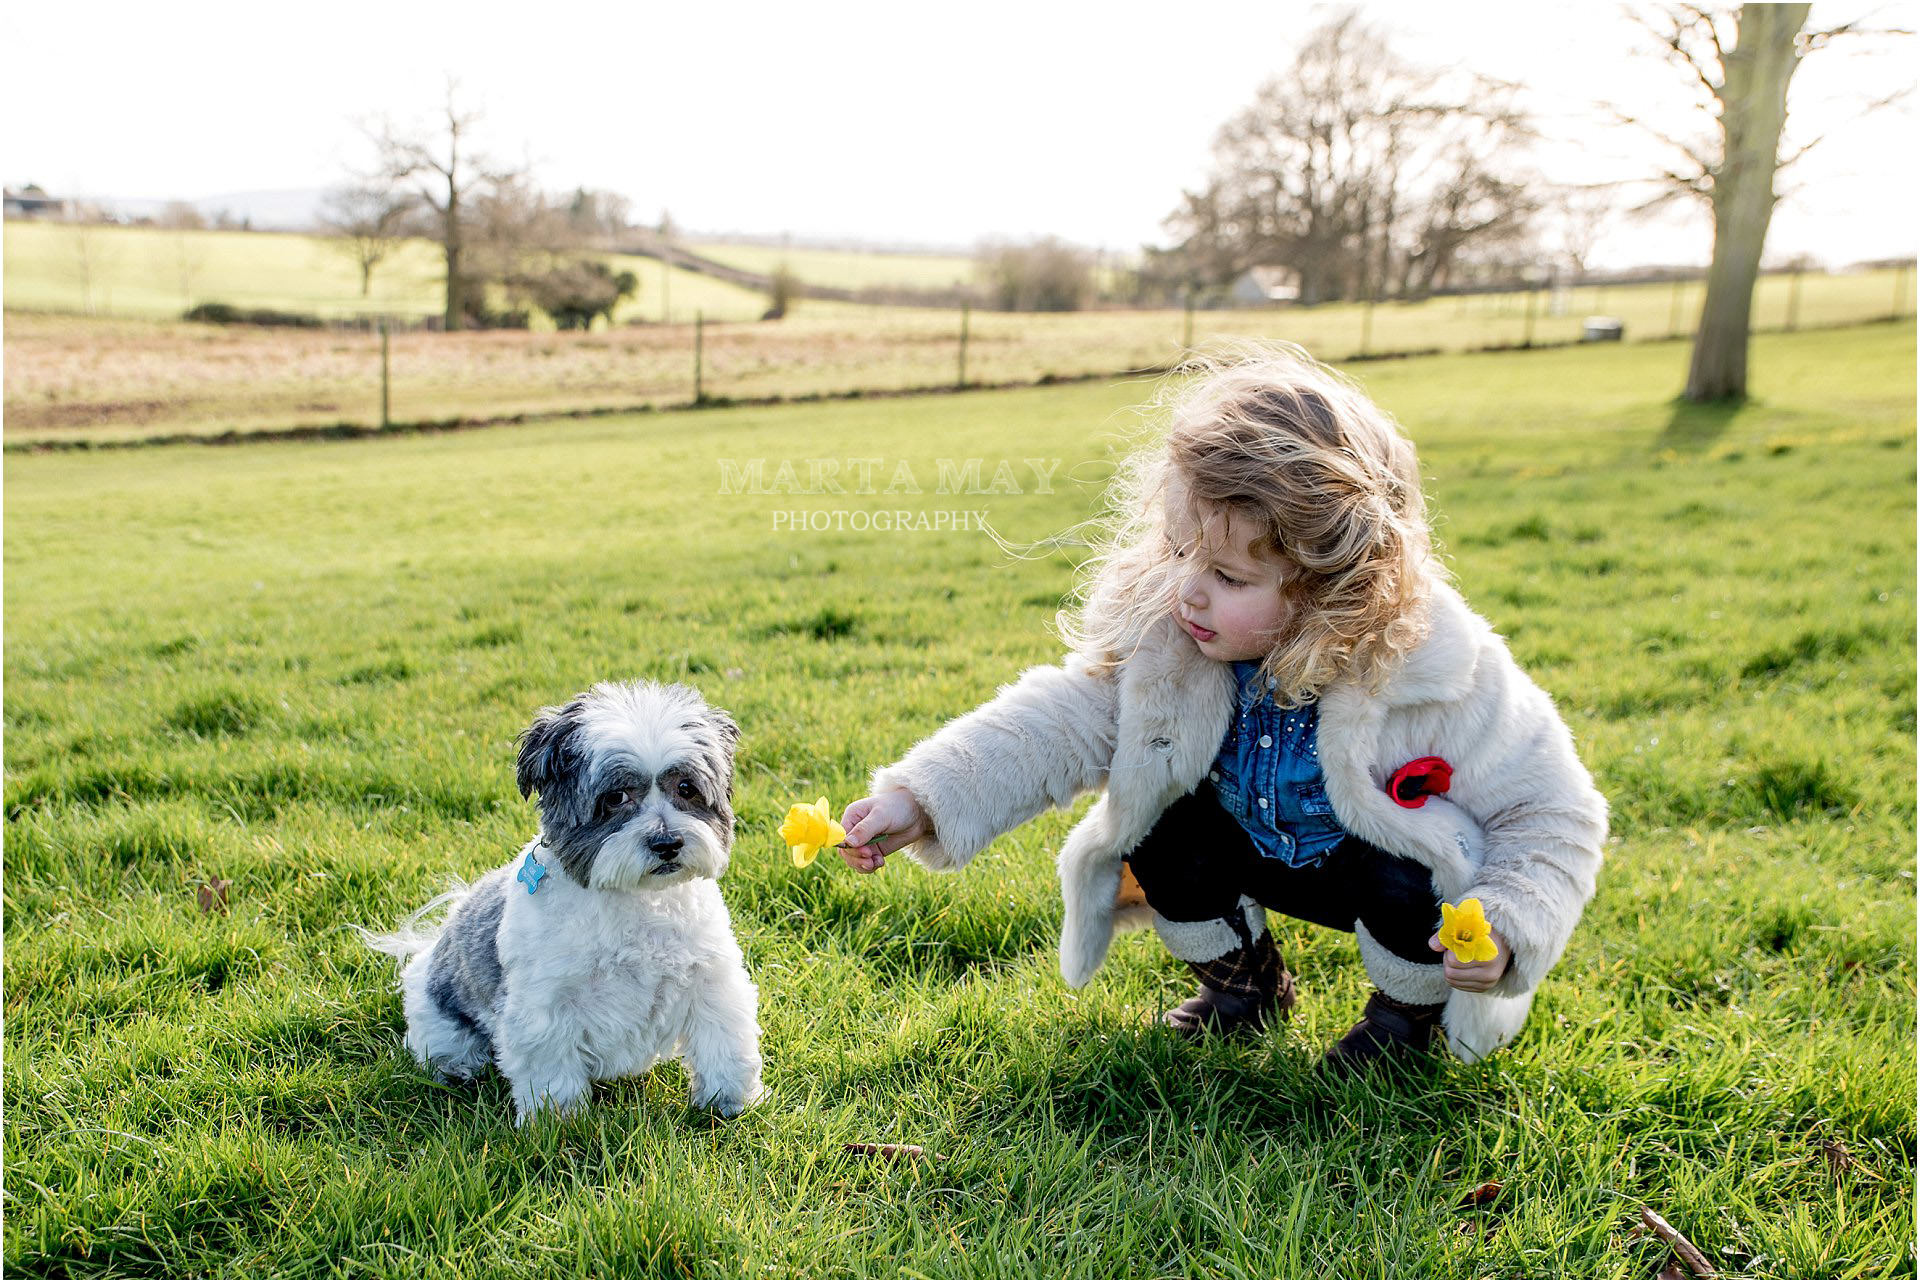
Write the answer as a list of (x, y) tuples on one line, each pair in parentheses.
[(807, 829)]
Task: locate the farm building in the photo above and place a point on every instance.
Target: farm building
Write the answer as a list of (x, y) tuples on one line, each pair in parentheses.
[(1258, 285), (31, 202)]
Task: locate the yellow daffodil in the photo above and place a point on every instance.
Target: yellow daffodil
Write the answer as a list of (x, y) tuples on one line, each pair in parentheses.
[(1465, 931), (807, 828)]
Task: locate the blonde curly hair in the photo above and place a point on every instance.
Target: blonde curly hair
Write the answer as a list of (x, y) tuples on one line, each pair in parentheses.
[(1267, 434)]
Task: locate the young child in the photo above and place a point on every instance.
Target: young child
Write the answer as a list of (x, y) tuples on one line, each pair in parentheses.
[(1289, 708)]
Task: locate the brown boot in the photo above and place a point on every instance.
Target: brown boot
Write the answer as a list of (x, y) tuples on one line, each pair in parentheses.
[(1388, 1031), (1239, 992)]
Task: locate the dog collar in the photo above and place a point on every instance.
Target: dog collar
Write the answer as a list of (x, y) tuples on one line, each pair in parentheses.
[(531, 872)]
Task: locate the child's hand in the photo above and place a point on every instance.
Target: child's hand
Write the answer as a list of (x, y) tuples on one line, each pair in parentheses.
[(1474, 977), (878, 826)]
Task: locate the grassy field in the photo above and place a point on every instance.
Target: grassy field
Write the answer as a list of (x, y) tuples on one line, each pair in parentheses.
[(71, 378), (846, 269), (151, 273), (300, 667), (157, 273)]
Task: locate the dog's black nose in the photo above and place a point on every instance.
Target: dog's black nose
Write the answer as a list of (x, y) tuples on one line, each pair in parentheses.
[(665, 844)]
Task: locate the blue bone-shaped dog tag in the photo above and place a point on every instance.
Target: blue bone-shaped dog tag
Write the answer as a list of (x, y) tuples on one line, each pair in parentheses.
[(531, 872)]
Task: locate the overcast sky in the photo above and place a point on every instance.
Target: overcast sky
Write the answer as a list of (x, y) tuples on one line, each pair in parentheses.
[(882, 122)]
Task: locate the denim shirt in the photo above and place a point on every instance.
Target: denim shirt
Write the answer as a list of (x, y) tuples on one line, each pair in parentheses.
[(1267, 775)]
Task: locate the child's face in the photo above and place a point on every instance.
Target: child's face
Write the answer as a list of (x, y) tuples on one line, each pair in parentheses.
[(1231, 602)]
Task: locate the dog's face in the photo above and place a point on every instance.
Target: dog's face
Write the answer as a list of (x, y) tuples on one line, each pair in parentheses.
[(635, 783)]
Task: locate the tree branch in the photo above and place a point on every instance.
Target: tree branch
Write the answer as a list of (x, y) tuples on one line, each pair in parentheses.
[(1808, 41), (1684, 18), (1690, 151), (1866, 109)]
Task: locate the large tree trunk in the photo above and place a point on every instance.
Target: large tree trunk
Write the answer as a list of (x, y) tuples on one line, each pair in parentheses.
[(456, 317), (1754, 112)]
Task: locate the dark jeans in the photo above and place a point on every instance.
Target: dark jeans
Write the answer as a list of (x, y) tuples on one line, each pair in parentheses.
[(1197, 862)]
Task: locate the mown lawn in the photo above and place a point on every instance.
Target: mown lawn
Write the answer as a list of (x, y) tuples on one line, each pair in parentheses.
[(301, 667)]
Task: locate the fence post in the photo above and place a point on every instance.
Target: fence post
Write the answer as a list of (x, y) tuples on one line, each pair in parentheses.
[(385, 382), (966, 316), (699, 357)]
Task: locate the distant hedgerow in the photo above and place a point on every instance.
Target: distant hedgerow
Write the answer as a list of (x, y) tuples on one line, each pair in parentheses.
[(228, 314)]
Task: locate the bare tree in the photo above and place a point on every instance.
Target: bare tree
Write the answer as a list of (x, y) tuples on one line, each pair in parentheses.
[(189, 256), (516, 236), (1740, 66), (447, 174), (1581, 215), (92, 255), (600, 218), (368, 221), (1459, 185), (182, 215), (1047, 275), (783, 287), (1361, 171), (184, 219)]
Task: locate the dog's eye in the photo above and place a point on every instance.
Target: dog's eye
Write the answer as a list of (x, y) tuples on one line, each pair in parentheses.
[(687, 789), (610, 802)]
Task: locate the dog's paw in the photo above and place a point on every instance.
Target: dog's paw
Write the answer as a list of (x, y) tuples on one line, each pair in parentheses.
[(528, 1106)]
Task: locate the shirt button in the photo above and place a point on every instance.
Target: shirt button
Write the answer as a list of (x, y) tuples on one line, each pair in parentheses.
[(1266, 741), (1263, 803), (1214, 776)]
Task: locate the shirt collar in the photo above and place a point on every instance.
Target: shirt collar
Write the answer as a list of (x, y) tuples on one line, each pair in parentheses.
[(1253, 687)]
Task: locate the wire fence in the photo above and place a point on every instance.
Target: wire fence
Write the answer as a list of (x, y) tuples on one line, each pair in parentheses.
[(67, 378)]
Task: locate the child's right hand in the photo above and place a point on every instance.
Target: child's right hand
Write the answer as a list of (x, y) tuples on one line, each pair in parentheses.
[(878, 826)]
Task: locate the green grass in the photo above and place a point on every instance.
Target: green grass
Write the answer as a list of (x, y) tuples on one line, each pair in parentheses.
[(846, 269), (156, 273), (301, 668)]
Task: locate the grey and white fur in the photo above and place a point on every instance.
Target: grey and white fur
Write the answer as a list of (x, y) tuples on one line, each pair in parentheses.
[(624, 954)]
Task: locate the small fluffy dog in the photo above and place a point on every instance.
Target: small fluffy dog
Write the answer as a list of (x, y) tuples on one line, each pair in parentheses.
[(603, 946)]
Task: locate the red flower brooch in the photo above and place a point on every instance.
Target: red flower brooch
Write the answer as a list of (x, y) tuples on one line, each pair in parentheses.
[(1419, 779)]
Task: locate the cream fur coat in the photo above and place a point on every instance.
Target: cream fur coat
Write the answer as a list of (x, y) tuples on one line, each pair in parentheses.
[(1521, 827)]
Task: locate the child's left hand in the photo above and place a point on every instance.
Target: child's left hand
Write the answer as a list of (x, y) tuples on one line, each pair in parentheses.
[(1474, 977)]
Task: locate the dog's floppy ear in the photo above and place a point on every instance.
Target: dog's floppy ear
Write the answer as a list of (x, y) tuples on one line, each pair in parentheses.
[(547, 751), (728, 728), (729, 731)]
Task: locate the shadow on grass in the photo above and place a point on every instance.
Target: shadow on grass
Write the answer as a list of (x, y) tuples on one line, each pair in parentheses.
[(1111, 1083), (912, 934), (1693, 427)]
